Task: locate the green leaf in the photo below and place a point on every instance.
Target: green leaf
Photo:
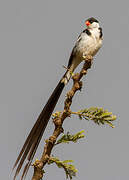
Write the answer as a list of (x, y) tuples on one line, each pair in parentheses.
[(69, 169), (68, 161), (98, 115), (66, 138)]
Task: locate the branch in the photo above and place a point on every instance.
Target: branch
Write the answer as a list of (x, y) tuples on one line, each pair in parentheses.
[(58, 121)]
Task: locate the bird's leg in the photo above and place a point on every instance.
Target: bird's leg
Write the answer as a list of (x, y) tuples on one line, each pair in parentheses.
[(71, 73), (65, 67)]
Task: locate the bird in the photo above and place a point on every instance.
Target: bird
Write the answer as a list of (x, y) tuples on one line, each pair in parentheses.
[(88, 43)]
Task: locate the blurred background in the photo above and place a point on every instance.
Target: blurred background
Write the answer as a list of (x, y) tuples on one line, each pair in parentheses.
[(36, 39)]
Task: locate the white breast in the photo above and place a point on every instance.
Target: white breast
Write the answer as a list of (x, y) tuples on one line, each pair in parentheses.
[(89, 45), (86, 45)]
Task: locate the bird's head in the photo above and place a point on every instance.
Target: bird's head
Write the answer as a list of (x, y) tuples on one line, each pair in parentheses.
[(92, 23)]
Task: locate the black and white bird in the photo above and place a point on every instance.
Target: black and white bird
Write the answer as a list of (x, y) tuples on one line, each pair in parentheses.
[(88, 43)]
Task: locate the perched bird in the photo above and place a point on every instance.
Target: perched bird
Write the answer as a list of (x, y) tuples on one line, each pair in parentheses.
[(88, 43)]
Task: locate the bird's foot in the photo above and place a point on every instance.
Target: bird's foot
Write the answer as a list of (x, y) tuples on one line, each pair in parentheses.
[(87, 57), (84, 56), (72, 74)]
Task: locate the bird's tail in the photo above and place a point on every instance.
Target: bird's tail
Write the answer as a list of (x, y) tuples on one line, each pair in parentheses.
[(30, 146)]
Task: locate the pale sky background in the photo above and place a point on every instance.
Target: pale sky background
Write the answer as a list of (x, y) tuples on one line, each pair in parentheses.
[(36, 39)]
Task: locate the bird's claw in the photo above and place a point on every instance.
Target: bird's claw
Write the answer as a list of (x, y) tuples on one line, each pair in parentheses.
[(84, 56), (87, 57)]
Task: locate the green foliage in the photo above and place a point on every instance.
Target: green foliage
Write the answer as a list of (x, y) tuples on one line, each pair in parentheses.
[(98, 115), (69, 169), (66, 138)]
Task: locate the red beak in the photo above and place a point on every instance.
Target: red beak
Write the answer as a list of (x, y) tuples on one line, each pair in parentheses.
[(87, 23)]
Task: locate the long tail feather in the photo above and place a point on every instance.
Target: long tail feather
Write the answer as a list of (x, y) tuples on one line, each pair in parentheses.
[(32, 132), (30, 157), (30, 146)]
